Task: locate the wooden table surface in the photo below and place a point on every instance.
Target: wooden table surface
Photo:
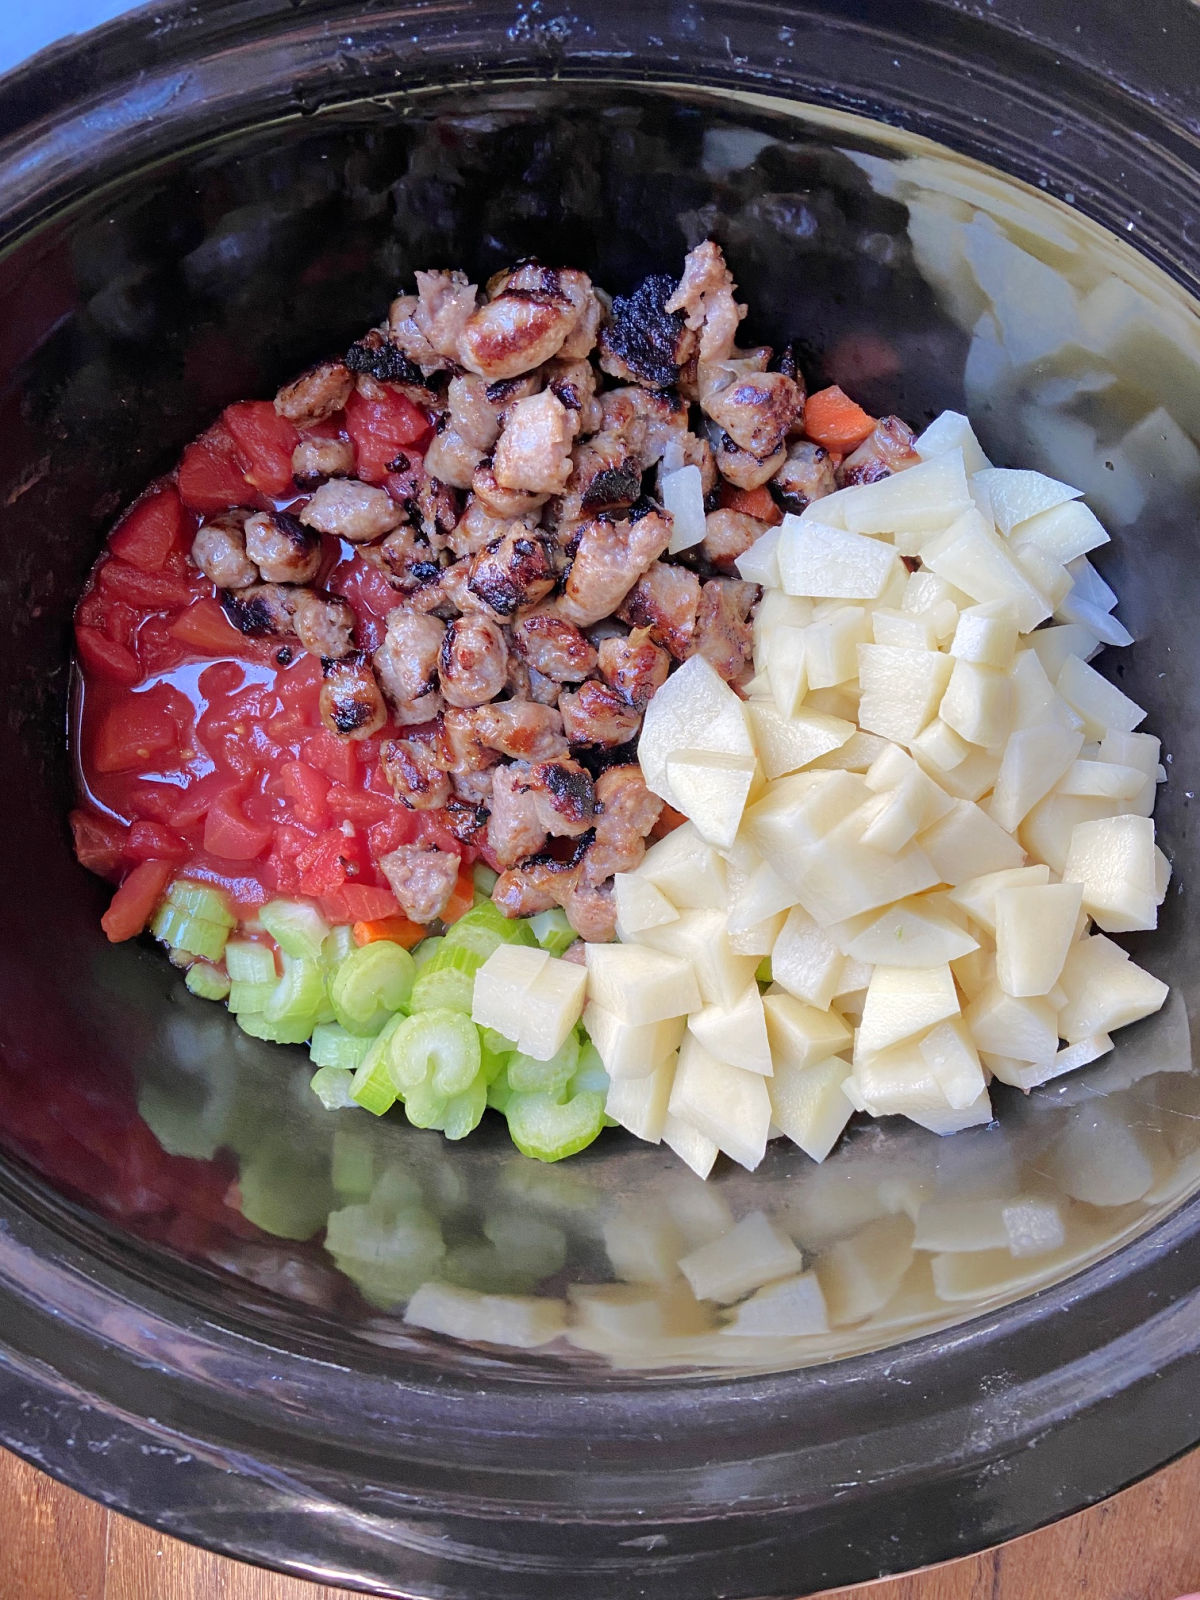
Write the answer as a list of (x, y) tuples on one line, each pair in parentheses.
[(1141, 1545)]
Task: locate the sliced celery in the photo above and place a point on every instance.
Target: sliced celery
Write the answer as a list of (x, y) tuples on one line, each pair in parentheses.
[(443, 990), (332, 1085), (552, 931), (201, 900), (371, 984), (424, 952), (248, 962), (438, 1048), (530, 1076), (332, 1046), (298, 994), (542, 1128), (589, 1074), (250, 996), (207, 981), (494, 1041), (424, 1106), (483, 929), (484, 878), (454, 958), (373, 1088), (339, 943), (499, 1090), (194, 935), (296, 926), (259, 1026), (464, 1111)]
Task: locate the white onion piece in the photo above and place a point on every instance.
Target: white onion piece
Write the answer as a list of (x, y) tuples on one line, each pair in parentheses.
[(683, 496)]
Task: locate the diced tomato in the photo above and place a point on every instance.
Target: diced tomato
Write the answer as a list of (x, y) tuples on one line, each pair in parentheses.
[(281, 875), (751, 503), (99, 842), (156, 801), (154, 528), (194, 803), (359, 902), (291, 839), (331, 858), (222, 678), (264, 442), (432, 830), (210, 474), (135, 901), (122, 621), (147, 591), (359, 806), (380, 429), (205, 627), (230, 834), (150, 841), (105, 658), (335, 757), (397, 930), (307, 790), (132, 731), (402, 827), (462, 897)]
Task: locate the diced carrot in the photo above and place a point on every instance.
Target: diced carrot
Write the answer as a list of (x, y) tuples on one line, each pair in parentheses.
[(831, 418), (135, 901), (755, 503), (399, 930), (462, 897)]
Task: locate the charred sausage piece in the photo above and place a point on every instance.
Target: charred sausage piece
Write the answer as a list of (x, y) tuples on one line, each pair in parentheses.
[(317, 458), (729, 534), (635, 667), (381, 358), (743, 468), (609, 559), (644, 342), (472, 662), (552, 646), (282, 548), (219, 550), (596, 714), (574, 383), (451, 459), (515, 570), (422, 879), (533, 452), (407, 559), (806, 475), (514, 829), (515, 728), (888, 448), (425, 327), (757, 410), (412, 768), (626, 811), (590, 911), (650, 420), (263, 609), (502, 502), (527, 320), (315, 394), (664, 602), (704, 296), (324, 624), (406, 665), (350, 702), (724, 631), (356, 512)]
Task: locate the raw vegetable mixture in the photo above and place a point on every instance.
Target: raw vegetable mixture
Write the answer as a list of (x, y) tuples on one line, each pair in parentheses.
[(362, 684)]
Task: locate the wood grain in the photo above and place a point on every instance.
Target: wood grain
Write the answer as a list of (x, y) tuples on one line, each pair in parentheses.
[(1141, 1545)]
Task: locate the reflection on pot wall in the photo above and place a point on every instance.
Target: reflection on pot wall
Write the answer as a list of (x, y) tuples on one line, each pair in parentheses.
[(916, 280)]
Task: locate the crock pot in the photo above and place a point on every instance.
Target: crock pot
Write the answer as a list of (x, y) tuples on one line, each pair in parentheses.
[(994, 209)]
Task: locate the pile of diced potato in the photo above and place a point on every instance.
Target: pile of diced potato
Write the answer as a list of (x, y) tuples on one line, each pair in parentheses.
[(928, 815)]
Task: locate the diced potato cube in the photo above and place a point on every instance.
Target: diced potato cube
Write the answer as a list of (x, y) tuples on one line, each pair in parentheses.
[(977, 704), (924, 498), (816, 560), (856, 755), (960, 1225), (1016, 495), (951, 1055), (897, 1082), (859, 1275), (785, 744), (1063, 532), (799, 811), (1103, 780), (736, 1033), (893, 768), (1035, 927), (987, 635), (550, 1008), (901, 1002), (752, 1253), (800, 1035), (502, 985), (1027, 1075), (727, 1104), (967, 842), (1000, 1024), (710, 788), (939, 747), (950, 1121), (805, 961), (906, 630), (952, 431), (521, 1322), (640, 903), (631, 1049), (831, 645), (971, 557), (895, 817), (694, 710), (842, 876), (808, 1105), (1046, 831), (791, 1308), (974, 775), (910, 934), (701, 940), (640, 985), (787, 667), (760, 564), (640, 1104), (1049, 577), (1035, 758), (1100, 703), (1053, 645), (687, 869), (755, 900), (1114, 859), (901, 689), (692, 1147), (977, 896)]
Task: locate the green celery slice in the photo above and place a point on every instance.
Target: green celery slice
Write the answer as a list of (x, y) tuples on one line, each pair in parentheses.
[(299, 993), (373, 1088), (424, 952), (542, 1128), (201, 900), (552, 931), (331, 1085), (484, 879), (435, 1048), (250, 996), (371, 984), (464, 1111), (339, 943), (207, 981), (529, 1076), (332, 1046), (194, 935), (444, 989), (296, 926), (249, 962)]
